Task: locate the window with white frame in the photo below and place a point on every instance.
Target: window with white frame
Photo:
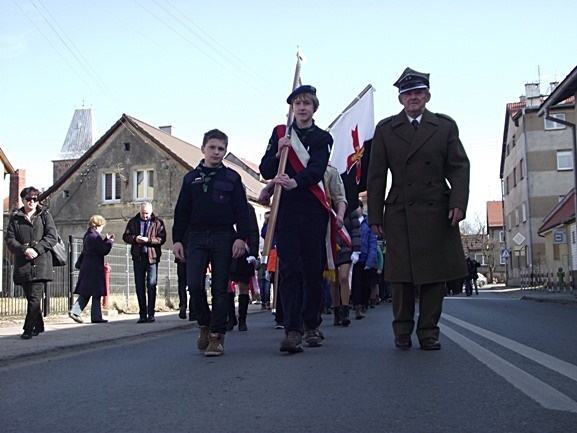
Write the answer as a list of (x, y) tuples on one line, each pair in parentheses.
[(111, 184), (551, 124), (516, 217), (564, 160), (524, 212), (501, 236), (144, 184), (502, 260), (480, 257)]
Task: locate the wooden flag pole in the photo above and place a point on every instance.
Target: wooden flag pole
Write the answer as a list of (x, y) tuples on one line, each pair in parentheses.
[(281, 168), (357, 99)]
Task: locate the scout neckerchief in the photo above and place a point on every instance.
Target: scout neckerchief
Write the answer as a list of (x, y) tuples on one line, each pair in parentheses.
[(207, 177)]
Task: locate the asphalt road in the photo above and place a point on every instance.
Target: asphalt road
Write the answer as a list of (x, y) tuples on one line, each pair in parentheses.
[(506, 365)]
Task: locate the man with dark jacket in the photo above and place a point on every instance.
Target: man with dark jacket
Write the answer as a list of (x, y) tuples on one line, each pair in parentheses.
[(146, 233), (427, 200)]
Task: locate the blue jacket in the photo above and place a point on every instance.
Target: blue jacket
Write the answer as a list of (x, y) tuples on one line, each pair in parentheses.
[(368, 245)]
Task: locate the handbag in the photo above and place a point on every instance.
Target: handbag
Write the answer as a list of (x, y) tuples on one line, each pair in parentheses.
[(59, 253), (79, 261)]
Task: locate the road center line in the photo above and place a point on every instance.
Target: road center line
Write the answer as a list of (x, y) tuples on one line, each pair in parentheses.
[(555, 364), (544, 394)]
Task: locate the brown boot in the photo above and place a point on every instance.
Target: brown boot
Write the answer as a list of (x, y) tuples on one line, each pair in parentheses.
[(215, 345), (202, 342)]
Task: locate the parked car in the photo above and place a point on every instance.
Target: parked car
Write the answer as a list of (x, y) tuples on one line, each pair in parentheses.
[(481, 280)]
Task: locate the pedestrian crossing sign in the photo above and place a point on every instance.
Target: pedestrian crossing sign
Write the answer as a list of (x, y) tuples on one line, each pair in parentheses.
[(505, 254)]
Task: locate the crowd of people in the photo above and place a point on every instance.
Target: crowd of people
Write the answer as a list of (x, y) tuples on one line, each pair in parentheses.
[(326, 254)]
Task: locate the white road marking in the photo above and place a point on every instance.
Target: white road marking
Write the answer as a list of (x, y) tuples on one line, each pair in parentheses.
[(537, 356), (539, 391)]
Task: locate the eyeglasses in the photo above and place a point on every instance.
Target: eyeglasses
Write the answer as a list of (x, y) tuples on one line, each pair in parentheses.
[(30, 198)]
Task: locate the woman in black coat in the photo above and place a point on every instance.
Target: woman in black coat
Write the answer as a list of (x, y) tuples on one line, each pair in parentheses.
[(30, 236), (91, 282)]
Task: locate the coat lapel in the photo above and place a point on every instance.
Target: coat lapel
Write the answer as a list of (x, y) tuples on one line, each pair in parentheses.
[(428, 127)]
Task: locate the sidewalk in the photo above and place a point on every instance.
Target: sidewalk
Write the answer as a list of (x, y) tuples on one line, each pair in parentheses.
[(63, 334), (534, 295)]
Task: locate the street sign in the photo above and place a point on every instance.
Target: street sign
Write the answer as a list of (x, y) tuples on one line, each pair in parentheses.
[(559, 237), (505, 254)]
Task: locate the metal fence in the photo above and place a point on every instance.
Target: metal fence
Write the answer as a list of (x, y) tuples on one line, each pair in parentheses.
[(542, 279), (58, 295)]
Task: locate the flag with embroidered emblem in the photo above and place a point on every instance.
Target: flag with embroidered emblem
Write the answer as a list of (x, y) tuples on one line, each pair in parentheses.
[(352, 133)]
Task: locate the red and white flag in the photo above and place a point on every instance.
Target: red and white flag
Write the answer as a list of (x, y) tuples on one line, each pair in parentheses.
[(352, 133)]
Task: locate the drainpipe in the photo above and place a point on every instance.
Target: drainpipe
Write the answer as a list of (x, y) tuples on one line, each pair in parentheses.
[(574, 149)]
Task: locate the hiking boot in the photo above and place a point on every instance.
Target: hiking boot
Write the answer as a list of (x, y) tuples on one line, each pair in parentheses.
[(313, 337), (242, 324), (345, 321), (202, 342), (215, 345), (337, 314), (292, 342)]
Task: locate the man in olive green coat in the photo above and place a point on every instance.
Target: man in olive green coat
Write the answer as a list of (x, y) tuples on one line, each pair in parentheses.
[(427, 200)]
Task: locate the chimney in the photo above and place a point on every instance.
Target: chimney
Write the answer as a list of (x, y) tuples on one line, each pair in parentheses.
[(17, 183), (533, 93), (167, 129)]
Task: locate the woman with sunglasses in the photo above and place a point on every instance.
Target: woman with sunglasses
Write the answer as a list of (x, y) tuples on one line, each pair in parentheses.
[(30, 237)]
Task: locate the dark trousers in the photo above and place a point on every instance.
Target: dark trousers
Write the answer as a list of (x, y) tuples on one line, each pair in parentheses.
[(145, 275), (213, 247), (430, 308), (95, 308), (361, 284), (34, 321), (300, 242), (264, 288)]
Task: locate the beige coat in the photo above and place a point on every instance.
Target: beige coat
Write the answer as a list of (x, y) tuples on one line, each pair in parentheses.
[(430, 175)]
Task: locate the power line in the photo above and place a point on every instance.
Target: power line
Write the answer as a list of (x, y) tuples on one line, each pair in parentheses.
[(72, 50)]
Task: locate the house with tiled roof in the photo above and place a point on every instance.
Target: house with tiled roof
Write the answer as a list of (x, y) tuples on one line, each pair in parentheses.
[(536, 172), (558, 230), (496, 255), (131, 163)]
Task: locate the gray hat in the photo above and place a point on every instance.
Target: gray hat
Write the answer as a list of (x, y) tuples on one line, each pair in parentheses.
[(411, 79)]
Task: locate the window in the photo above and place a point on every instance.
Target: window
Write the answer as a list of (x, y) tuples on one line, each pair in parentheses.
[(514, 176), (502, 260), (516, 217), (509, 222), (480, 257), (507, 185), (144, 184), (111, 187), (66, 193), (521, 170), (550, 124), (564, 160), (501, 236), (524, 212)]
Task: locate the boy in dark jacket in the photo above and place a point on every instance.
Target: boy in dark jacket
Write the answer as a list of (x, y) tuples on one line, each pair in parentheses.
[(211, 201)]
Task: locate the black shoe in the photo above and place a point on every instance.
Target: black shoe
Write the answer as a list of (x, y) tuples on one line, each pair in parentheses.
[(36, 333), (27, 335), (403, 341), (100, 321), (430, 343), (182, 313), (242, 324), (151, 319), (142, 320), (232, 322)]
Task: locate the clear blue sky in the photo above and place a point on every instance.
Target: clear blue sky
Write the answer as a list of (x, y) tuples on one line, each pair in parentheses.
[(229, 65)]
